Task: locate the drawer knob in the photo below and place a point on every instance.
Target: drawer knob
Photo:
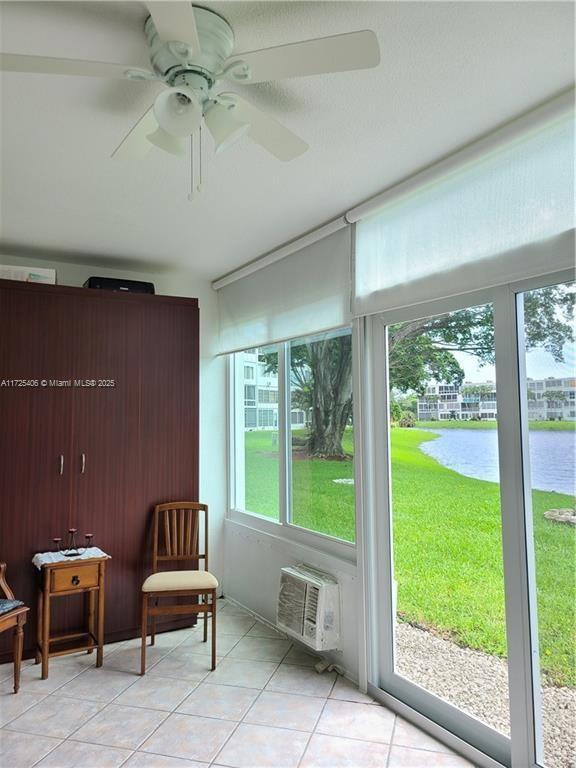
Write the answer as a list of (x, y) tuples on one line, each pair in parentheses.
[(75, 580)]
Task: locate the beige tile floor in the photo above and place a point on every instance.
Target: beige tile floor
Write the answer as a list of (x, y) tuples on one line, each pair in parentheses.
[(264, 707)]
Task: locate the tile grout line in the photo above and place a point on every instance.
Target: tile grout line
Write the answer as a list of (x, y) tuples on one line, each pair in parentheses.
[(47, 753), (316, 724), (47, 696), (168, 714), (104, 706), (174, 709), (121, 646), (241, 721), (140, 677), (7, 723), (391, 741)]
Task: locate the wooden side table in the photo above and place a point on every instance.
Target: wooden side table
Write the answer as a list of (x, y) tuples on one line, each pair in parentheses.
[(72, 577)]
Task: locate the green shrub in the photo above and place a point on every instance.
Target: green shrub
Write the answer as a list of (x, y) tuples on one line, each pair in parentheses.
[(407, 419)]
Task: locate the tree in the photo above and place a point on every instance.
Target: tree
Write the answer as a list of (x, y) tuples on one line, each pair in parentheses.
[(554, 397), (325, 368), (480, 390), (419, 350)]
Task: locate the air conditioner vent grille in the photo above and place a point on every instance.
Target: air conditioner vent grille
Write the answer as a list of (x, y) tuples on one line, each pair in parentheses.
[(311, 610), (309, 607)]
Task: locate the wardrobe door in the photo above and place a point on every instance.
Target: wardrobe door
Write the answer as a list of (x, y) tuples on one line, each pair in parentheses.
[(35, 436), (106, 446), (169, 414)]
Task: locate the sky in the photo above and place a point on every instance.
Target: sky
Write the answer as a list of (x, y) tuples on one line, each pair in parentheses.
[(539, 365)]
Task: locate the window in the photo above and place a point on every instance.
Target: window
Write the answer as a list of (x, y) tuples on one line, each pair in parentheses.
[(267, 417), (250, 418), (248, 372), (322, 449), (249, 394), (293, 425), (256, 441), (267, 395)]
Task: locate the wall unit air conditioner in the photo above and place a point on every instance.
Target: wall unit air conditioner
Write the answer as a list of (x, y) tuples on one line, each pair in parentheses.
[(309, 607)]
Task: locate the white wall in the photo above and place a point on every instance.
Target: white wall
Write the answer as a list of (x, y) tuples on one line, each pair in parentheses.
[(212, 376), (252, 564)]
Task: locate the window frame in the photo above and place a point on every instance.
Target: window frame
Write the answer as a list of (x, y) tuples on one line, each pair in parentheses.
[(283, 527)]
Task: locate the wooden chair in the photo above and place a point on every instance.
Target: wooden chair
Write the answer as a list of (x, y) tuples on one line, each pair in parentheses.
[(175, 538), (14, 618)]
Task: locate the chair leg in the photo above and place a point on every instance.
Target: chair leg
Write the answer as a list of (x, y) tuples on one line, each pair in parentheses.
[(39, 621), (213, 629), (18, 644), (45, 634), (153, 627), (90, 598), (205, 600), (144, 628)]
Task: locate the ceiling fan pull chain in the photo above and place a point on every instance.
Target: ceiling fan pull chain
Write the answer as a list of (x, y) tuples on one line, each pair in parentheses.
[(191, 192), (199, 187)]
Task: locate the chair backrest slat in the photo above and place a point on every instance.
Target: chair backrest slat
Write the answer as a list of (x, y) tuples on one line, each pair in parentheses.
[(174, 529), (167, 540), (188, 534), (178, 538), (195, 533)]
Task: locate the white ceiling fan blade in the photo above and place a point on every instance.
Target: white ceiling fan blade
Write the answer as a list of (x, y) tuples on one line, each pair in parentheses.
[(265, 130), (135, 144), (17, 62), (175, 21), (340, 53)]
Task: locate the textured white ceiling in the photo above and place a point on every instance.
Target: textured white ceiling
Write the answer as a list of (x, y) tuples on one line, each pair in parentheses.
[(450, 71)]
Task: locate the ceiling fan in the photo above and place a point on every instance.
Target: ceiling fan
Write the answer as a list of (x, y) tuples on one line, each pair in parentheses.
[(191, 51)]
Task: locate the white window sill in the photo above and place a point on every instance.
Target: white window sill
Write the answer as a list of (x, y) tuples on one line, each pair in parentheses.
[(319, 542)]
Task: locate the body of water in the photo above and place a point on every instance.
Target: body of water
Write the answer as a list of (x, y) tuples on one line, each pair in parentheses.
[(474, 453)]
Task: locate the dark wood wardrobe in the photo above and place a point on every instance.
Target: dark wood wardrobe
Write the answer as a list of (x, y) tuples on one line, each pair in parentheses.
[(109, 430)]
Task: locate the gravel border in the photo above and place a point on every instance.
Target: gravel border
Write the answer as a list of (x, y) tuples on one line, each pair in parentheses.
[(478, 683)]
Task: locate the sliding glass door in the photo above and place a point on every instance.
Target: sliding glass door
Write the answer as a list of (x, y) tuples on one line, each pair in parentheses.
[(547, 365), (473, 571)]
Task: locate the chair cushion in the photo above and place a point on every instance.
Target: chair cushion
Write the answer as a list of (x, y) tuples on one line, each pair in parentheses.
[(169, 581), (9, 605)]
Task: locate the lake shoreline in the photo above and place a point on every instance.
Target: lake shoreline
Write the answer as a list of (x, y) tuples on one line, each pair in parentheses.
[(474, 453), (533, 426)]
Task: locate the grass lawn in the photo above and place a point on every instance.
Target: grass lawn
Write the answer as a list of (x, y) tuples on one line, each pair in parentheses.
[(447, 542)]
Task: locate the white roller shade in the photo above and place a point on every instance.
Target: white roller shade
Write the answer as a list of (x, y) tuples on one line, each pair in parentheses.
[(504, 216), (303, 293)]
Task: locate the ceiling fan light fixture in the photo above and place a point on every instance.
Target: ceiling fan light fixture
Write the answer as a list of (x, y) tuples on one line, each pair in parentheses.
[(178, 111), (163, 140), (223, 126)]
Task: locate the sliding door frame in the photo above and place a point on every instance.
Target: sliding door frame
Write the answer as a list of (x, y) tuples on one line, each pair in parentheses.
[(481, 743)]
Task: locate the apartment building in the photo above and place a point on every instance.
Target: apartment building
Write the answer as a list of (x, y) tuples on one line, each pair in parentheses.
[(550, 398), (261, 395)]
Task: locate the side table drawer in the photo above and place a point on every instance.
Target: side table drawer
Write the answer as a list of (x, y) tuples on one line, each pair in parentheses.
[(74, 577)]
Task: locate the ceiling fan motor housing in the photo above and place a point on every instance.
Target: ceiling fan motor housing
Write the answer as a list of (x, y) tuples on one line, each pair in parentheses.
[(173, 60)]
